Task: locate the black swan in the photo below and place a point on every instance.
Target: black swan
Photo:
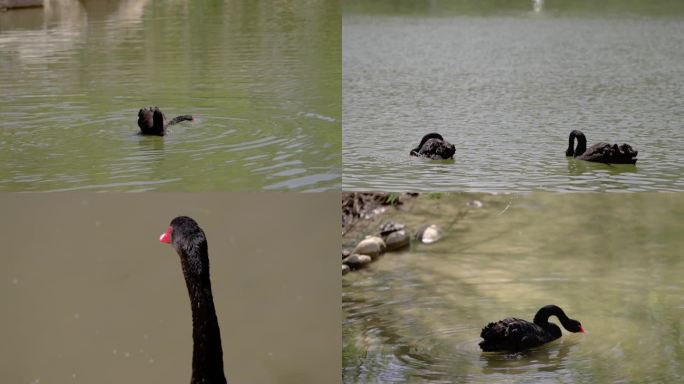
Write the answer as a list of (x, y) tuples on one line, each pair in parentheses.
[(151, 121), (189, 241), (513, 334), (433, 146), (601, 152)]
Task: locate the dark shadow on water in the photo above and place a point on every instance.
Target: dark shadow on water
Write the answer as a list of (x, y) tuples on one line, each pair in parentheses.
[(579, 167), (151, 149), (546, 358)]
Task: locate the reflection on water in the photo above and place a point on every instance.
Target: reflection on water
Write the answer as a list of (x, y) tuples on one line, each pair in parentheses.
[(611, 261), (89, 295), (262, 80), (506, 85)]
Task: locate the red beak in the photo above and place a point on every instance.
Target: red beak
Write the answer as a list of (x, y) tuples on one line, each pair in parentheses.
[(166, 236), (581, 329)]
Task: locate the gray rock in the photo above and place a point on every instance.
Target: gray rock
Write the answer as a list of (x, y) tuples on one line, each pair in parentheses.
[(397, 240), (474, 204), (356, 261), (345, 269), (372, 246)]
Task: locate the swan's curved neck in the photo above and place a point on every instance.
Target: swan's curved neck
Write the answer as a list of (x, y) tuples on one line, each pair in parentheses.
[(207, 353), (581, 144), (428, 137), (542, 316)]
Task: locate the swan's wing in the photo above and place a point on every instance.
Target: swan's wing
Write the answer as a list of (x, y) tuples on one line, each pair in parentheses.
[(511, 334), (607, 153), (599, 153), (437, 149)]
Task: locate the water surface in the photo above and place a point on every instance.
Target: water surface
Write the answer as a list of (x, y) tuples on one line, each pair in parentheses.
[(611, 261), (263, 81), (506, 84)]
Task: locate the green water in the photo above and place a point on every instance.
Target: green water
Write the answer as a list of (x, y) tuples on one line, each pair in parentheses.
[(611, 261), (262, 80)]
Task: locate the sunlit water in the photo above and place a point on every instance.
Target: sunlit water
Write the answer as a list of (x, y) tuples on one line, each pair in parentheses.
[(506, 82), (611, 261), (262, 80)]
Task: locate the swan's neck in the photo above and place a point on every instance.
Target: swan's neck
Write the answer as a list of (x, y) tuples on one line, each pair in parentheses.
[(428, 137), (207, 354), (542, 317), (581, 144)]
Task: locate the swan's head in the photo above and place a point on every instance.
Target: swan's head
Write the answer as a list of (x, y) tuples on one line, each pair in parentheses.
[(574, 326), (189, 241)]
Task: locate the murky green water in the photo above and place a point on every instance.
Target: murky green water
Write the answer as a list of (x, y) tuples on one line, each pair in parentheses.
[(611, 261), (506, 84), (262, 79)]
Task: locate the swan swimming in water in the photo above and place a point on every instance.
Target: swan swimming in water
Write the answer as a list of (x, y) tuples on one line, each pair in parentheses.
[(151, 121), (601, 152), (513, 334), (433, 146)]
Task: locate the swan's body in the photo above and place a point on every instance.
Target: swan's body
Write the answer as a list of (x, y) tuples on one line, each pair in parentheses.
[(513, 334), (151, 121), (433, 146), (601, 152), (190, 243)]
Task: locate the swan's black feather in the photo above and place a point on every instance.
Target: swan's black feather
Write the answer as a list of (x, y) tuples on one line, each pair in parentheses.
[(151, 121), (601, 152), (190, 243), (433, 146), (513, 334)]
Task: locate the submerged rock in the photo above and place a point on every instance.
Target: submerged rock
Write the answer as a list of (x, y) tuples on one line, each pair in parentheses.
[(372, 246), (474, 204), (356, 261), (429, 234)]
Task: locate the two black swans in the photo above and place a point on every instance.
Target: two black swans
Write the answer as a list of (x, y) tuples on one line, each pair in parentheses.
[(190, 243), (601, 152), (433, 146), (514, 334), (151, 121)]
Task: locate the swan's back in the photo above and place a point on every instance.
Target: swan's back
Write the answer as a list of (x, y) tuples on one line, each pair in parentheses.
[(513, 334), (610, 154), (433, 146)]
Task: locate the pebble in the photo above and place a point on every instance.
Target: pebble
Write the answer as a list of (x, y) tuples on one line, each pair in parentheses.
[(429, 234), (356, 261)]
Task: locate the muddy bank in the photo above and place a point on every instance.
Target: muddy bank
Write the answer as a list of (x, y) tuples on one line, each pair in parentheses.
[(364, 205)]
